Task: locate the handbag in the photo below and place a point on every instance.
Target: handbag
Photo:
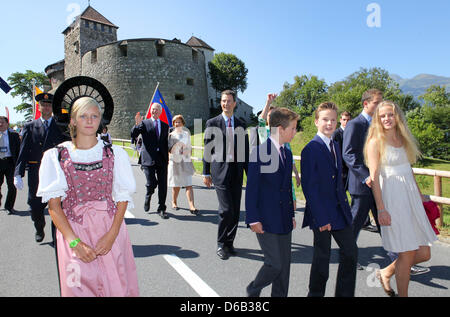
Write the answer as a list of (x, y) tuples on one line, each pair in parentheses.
[(432, 211)]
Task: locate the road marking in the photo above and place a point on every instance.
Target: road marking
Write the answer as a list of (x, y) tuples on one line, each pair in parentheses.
[(129, 215), (190, 277)]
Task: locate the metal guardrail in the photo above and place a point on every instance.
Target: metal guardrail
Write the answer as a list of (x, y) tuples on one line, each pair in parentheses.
[(437, 174)]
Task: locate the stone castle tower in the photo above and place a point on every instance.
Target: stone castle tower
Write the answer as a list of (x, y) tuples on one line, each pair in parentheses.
[(131, 70)]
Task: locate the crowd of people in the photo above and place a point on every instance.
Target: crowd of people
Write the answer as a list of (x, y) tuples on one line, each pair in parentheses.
[(87, 183)]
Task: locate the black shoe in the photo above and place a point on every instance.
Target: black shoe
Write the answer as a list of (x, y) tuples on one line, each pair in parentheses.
[(163, 214), (10, 211), (147, 205), (39, 236), (230, 250), (194, 211), (222, 253)]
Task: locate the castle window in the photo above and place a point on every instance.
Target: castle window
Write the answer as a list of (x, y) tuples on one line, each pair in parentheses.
[(76, 47), (95, 26), (160, 50), (195, 56), (103, 27), (86, 24), (94, 56), (110, 29), (179, 97), (190, 82), (123, 46)]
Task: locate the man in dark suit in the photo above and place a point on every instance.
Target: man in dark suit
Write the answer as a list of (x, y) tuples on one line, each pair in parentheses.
[(269, 204), (9, 151), (338, 136), (224, 161), (38, 136), (327, 211), (359, 182), (154, 156)]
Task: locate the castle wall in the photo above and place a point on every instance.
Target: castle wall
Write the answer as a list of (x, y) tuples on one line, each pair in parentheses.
[(131, 70)]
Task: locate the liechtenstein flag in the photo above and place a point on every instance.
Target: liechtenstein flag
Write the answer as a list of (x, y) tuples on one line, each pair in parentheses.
[(166, 116)]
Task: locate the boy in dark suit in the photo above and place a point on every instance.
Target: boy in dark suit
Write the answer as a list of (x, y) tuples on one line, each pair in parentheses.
[(359, 182), (269, 204), (338, 136), (327, 210)]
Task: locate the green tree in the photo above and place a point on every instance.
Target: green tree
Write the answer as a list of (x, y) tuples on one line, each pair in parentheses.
[(228, 72), (303, 96), (430, 138), (435, 116), (22, 85), (347, 93)]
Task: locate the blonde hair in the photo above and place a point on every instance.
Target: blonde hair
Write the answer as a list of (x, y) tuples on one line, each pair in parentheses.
[(376, 131), (80, 107)]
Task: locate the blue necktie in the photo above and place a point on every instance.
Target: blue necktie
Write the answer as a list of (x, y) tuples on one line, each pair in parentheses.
[(157, 131), (46, 125), (333, 153), (283, 154)]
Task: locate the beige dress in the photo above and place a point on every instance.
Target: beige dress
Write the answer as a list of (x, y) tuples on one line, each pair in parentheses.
[(181, 168)]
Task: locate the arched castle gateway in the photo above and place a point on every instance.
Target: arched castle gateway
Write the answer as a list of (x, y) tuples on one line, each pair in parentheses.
[(131, 69)]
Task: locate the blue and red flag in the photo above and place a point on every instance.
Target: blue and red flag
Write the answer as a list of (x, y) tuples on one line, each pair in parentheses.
[(166, 116)]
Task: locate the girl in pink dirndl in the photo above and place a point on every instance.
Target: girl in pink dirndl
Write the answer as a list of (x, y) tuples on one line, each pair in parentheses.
[(94, 181)]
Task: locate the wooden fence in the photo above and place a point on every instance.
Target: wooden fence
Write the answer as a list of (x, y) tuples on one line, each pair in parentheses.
[(438, 175)]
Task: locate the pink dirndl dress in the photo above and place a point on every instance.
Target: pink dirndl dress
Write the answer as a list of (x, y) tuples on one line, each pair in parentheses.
[(90, 210)]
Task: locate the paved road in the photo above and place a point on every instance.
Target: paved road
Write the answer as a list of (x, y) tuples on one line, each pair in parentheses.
[(176, 257)]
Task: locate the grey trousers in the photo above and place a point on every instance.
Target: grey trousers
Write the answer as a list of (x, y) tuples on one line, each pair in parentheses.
[(277, 265)]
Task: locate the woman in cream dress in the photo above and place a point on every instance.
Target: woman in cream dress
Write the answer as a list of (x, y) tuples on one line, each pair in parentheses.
[(181, 169), (390, 150)]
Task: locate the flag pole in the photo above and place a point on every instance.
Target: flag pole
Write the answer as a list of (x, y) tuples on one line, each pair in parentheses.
[(34, 98), (150, 106)]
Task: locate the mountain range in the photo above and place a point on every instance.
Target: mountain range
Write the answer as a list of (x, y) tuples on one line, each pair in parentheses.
[(419, 84)]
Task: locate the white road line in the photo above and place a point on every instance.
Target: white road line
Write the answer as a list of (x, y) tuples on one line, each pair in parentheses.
[(129, 215), (190, 277)]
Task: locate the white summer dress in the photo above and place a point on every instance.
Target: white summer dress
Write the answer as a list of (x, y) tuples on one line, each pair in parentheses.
[(410, 227)]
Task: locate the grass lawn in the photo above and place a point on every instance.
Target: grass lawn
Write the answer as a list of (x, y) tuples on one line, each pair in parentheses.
[(426, 183)]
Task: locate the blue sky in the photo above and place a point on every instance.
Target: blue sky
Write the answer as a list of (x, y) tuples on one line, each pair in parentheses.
[(276, 39)]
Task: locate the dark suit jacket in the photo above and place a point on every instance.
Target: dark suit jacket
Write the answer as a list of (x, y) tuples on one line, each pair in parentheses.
[(35, 142), (214, 158), (150, 143), (326, 201), (14, 144), (338, 136), (268, 196), (353, 154)]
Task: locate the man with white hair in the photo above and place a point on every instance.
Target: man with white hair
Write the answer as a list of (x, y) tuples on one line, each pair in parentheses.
[(154, 157)]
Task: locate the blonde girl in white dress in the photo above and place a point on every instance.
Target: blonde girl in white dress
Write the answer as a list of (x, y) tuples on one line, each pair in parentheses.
[(389, 151)]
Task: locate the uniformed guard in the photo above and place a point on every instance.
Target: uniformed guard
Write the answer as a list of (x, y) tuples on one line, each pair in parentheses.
[(38, 136)]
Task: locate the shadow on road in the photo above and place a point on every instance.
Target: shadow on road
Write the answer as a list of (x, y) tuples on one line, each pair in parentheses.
[(143, 251)]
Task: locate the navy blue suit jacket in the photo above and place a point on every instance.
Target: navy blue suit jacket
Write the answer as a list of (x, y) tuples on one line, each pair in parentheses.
[(35, 141), (150, 142), (355, 134), (326, 202), (268, 196)]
